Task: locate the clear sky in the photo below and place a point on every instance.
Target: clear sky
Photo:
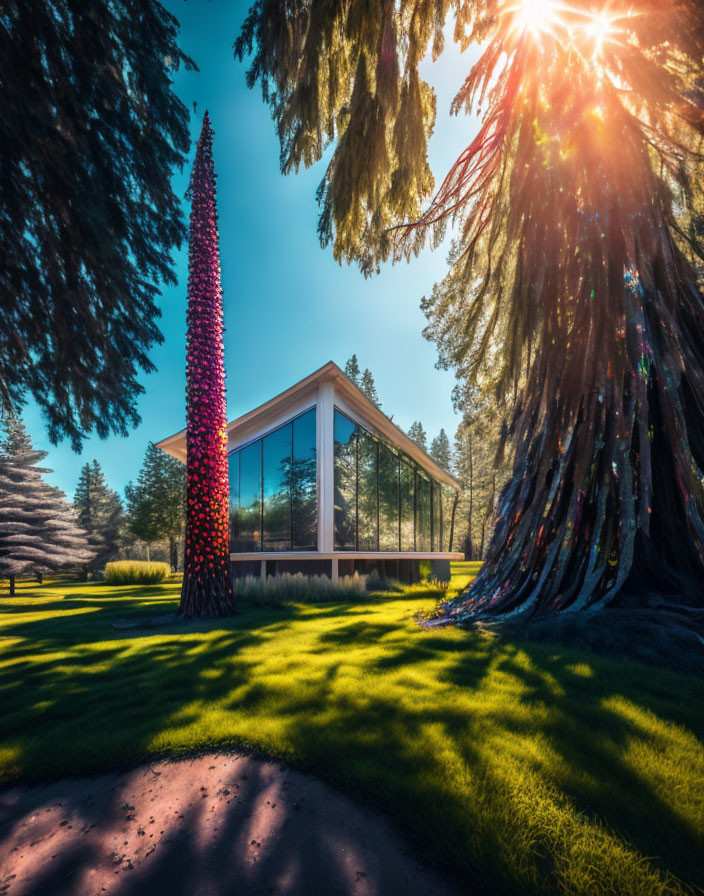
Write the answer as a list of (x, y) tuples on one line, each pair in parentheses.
[(289, 307)]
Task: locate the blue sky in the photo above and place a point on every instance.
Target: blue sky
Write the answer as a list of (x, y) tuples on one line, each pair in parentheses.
[(289, 307)]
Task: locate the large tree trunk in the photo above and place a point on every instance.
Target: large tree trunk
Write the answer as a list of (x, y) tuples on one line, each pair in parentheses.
[(469, 554), (207, 586), (12, 586), (40, 577), (149, 552), (606, 495)]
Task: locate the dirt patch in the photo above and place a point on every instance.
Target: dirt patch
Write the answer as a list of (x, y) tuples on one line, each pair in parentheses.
[(216, 824)]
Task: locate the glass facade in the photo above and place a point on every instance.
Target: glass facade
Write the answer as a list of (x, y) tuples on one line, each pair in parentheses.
[(383, 501), (273, 490), (423, 509), (408, 506), (304, 486), (345, 501), (388, 498), (367, 492), (449, 499)]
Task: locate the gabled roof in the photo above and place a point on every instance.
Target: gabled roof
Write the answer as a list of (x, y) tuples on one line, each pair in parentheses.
[(356, 400)]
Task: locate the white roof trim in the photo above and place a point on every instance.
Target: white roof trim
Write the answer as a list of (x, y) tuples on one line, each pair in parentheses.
[(354, 401)]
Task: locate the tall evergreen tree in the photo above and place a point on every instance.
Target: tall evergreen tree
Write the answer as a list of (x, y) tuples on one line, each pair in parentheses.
[(418, 435), (38, 527), (157, 502), (207, 586), (100, 514), (92, 132), (579, 208), (368, 387), (440, 450), (352, 370)]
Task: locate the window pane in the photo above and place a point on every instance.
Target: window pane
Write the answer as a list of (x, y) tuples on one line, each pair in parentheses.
[(407, 504), (367, 520), (250, 537), (277, 448), (388, 499), (345, 483), (233, 465), (422, 513), (448, 506), (437, 517), (304, 492)]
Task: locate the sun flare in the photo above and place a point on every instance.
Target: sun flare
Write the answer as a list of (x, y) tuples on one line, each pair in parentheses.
[(536, 17), (589, 30)]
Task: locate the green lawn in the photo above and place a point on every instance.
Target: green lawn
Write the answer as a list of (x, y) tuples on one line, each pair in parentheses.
[(522, 767)]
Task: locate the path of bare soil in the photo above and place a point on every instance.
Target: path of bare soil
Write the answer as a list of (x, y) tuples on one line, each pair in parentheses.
[(215, 824)]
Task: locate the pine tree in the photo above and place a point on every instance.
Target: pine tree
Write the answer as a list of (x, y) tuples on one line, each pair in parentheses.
[(417, 434), (368, 387), (156, 504), (207, 586), (38, 527), (88, 215), (578, 205), (352, 370), (440, 450), (100, 514), (482, 472)]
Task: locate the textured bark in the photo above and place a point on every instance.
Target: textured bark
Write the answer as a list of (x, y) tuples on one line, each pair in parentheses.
[(207, 586)]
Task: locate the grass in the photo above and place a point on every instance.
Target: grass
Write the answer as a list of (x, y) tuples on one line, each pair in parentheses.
[(520, 766)]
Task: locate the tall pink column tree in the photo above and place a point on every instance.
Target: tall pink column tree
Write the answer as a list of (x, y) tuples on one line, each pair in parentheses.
[(207, 587)]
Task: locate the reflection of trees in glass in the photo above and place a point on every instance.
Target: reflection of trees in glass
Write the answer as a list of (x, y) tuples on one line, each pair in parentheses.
[(388, 499), (367, 520), (345, 483), (437, 518), (371, 481), (449, 507), (250, 515), (304, 487), (275, 477), (408, 538), (277, 449), (422, 513), (304, 503), (233, 464)]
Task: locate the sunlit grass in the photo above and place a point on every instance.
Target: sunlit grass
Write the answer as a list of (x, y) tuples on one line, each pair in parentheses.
[(523, 767)]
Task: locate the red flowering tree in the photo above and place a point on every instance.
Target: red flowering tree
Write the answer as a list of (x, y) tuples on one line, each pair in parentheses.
[(207, 587)]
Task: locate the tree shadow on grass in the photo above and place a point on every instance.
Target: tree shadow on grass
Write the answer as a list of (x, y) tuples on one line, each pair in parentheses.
[(499, 756)]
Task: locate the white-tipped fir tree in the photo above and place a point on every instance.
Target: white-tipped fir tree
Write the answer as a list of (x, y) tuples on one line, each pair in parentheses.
[(39, 531)]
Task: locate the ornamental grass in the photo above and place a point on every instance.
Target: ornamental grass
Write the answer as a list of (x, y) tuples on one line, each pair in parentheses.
[(136, 572)]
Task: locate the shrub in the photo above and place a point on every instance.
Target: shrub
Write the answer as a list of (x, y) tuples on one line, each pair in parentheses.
[(425, 570), (135, 572)]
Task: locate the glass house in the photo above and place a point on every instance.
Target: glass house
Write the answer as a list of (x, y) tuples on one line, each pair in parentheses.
[(322, 482)]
